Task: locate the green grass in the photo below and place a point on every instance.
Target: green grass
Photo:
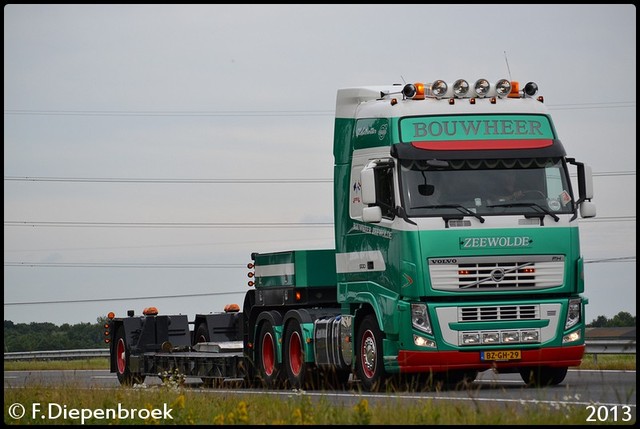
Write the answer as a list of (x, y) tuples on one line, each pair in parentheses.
[(193, 407), (41, 365), (206, 406)]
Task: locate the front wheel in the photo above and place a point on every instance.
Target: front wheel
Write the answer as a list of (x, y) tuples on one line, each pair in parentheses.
[(125, 376), (370, 365), (543, 376)]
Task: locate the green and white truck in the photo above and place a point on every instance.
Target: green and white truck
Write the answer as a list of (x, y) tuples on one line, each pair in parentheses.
[(457, 250)]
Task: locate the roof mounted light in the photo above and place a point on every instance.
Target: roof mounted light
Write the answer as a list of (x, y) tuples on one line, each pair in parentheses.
[(460, 88), (481, 87), (439, 88), (515, 89), (530, 89), (503, 88), (409, 90), (414, 90)]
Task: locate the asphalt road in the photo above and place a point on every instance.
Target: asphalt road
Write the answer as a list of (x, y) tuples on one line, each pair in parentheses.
[(581, 387)]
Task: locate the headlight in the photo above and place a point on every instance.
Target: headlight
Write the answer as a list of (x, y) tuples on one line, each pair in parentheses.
[(420, 318), (573, 313)]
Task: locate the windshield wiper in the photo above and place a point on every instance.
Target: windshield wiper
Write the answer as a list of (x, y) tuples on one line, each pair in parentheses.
[(533, 205), (459, 207)]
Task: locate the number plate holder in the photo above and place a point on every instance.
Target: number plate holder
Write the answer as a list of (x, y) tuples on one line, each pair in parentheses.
[(501, 355)]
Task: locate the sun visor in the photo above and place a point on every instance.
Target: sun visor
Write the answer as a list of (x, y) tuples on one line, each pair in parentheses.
[(551, 148)]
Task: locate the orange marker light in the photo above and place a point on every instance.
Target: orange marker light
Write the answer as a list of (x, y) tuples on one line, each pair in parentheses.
[(515, 90), (150, 311), (111, 315), (419, 91), (231, 308)]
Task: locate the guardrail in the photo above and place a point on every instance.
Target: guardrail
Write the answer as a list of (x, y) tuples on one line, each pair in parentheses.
[(57, 354), (594, 347)]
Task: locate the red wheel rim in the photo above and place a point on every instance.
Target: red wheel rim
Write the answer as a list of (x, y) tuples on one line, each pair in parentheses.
[(295, 353), (120, 356), (268, 353)]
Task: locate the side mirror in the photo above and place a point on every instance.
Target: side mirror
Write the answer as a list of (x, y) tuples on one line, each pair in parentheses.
[(588, 209), (372, 214), (587, 182), (368, 183)]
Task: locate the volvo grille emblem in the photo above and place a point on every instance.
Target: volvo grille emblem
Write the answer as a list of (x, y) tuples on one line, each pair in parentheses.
[(497, 275)]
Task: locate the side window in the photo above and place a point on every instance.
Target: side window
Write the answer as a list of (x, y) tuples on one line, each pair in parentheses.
[(384, 191)]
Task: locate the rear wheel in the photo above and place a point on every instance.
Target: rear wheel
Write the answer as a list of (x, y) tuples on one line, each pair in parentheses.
[(125, 376), (543, 376), (294, 357), (369, 365), (266, 358)]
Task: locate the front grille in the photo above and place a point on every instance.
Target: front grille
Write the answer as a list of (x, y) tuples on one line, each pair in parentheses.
[(497, 273), (506, 312)]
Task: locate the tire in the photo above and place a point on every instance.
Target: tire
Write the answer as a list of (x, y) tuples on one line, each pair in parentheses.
[(125, 377), (543, 376), (370, 364), (266, 356), (202, 336), (296, 369)]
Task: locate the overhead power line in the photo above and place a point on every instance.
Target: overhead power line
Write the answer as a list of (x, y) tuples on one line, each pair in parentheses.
[(224, 113), (187, 113), (78, 224), (619, 259), (158, 180), (117, 265), (64, 224), (199, 266), (204, 180), (72, 301)]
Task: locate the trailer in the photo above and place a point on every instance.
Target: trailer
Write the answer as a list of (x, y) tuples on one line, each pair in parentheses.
[(456, 251)]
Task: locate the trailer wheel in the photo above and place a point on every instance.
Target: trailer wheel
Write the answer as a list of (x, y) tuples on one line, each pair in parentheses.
[(369, 365), (294, 357), (125, 376), (202, 336), (543, 376), (266, 356)]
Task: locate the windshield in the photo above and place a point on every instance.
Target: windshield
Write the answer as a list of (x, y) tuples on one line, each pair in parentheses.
[(485, 187)]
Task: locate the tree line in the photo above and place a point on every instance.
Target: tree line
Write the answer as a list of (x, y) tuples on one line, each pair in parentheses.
[(40, 336)]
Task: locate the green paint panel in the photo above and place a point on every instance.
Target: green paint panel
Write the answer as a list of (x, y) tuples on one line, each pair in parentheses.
[(299, 268), (475, 127), (372, 133)]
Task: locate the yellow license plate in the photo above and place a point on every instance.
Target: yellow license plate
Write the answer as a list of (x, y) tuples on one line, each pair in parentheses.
[(501, 355)]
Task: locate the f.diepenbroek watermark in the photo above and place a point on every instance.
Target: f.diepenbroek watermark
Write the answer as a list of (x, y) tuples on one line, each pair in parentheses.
[(54, 411)]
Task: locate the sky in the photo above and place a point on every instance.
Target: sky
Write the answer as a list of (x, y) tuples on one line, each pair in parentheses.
[(150, 149)]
